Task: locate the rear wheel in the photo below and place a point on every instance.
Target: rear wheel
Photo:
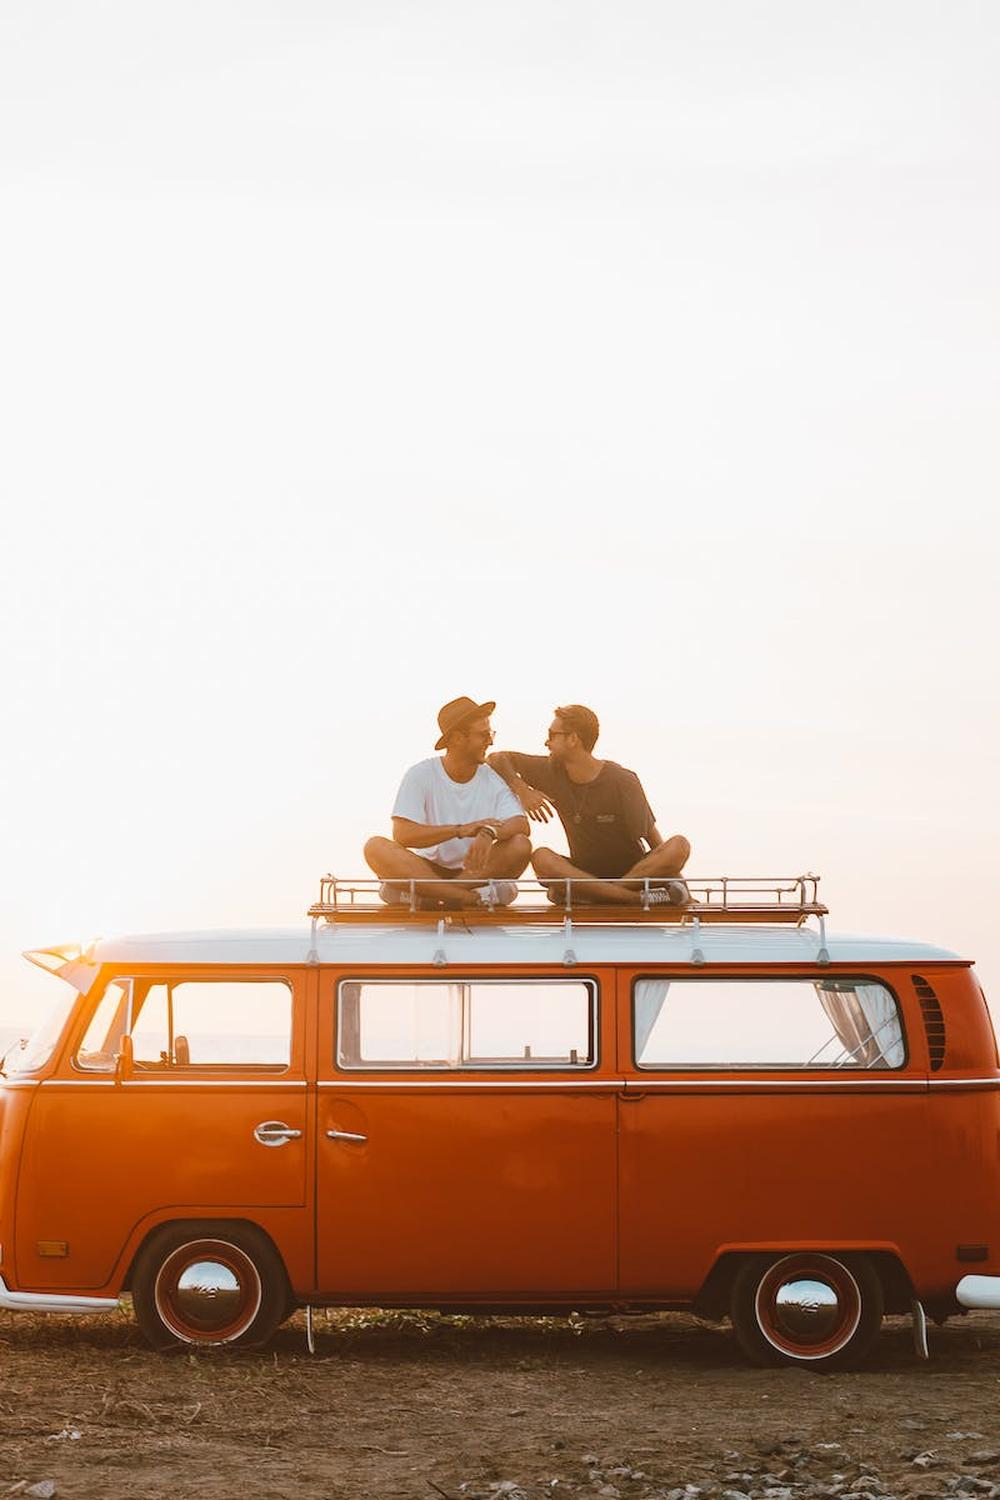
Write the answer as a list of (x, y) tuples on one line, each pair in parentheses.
[(207, 1284), (820, 1311)]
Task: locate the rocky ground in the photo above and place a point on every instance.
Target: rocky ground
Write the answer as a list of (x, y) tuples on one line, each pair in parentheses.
[(505, 1409)]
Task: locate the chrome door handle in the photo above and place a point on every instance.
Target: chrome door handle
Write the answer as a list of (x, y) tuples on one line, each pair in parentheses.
[(344, 1135), (275, 1133)]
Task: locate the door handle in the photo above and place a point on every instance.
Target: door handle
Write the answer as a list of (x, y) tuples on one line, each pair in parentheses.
[(275, 1133), (632, 1097), (344, 1135)]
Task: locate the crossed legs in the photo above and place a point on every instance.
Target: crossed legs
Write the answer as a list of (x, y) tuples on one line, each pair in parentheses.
[(391, 861), (664, 862)]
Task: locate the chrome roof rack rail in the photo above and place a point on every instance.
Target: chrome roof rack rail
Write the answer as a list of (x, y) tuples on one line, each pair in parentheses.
[(564, 903)]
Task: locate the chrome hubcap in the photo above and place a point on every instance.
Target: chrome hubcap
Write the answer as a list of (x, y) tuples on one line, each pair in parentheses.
[(208, 1292), (808, 1311), (808, 1306)]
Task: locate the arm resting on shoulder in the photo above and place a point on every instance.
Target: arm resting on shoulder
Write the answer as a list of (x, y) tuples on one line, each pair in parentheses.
[(534, 802), (500, 762)]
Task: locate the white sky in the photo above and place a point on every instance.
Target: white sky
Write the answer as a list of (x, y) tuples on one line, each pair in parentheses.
[(354, 357)]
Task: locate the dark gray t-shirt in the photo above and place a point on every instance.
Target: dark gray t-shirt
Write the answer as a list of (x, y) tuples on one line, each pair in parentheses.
[(604, 819)]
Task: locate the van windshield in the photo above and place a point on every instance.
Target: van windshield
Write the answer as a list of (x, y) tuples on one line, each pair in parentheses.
[(35, 1053)]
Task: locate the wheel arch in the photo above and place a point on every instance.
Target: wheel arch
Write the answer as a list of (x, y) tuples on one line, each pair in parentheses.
[(207, 1227), (712, 1299)]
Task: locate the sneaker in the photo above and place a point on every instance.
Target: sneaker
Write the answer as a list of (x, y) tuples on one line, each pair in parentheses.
[(395, 893), (677, 892), (670, 893), (497, 893)]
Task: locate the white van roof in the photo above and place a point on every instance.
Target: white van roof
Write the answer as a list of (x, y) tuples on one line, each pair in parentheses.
[(455, 945)]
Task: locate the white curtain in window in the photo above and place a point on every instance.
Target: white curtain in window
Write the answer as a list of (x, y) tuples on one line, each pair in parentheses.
[(650, 995), (458, 1041), (866, 1021)]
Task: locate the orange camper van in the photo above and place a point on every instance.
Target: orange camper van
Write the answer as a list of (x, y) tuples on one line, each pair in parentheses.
[(544, 1108)]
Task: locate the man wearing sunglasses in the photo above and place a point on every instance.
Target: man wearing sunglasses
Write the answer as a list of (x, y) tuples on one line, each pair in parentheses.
[(459, 834), (609, 825)]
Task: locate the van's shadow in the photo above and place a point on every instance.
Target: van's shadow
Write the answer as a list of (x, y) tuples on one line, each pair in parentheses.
[(373, 1336)]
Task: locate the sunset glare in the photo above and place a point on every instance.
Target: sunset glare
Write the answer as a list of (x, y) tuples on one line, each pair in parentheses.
[(359, 357)]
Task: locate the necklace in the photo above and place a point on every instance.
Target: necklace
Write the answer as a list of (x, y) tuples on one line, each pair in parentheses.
[(580, 800)]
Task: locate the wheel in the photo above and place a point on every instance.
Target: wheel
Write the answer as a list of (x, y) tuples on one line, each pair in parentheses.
[(212, 1283), (820, 1311)]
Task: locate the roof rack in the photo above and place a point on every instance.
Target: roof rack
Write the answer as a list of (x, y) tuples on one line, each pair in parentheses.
[(720, 898)]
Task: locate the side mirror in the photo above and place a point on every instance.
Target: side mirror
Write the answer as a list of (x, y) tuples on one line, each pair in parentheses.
[(123, 1066)]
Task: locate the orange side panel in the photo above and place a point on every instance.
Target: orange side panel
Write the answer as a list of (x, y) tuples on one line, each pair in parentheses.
[(475, 1193), (99, 1159)]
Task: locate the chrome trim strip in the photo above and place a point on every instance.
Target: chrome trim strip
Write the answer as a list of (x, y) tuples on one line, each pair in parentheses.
[(641, 1086), (638, 1085), (474, 1083), (632, 1085), (172, 1083), (57, 1302), (77, 1083), (961, 1083), (214, 1083)]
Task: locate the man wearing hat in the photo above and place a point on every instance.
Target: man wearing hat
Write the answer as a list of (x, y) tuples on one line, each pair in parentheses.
[(454, 820)]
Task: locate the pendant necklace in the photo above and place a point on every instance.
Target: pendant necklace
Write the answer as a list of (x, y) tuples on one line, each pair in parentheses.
[(581, 803)]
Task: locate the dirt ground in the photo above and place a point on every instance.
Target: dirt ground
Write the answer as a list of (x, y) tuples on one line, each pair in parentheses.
[(410, 1406)]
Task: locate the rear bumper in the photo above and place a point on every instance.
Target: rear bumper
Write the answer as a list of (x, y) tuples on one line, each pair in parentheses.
[(979, 1291), (56, 1302)]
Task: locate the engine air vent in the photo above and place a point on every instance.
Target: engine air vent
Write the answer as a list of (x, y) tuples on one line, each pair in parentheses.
[(930, 1007)]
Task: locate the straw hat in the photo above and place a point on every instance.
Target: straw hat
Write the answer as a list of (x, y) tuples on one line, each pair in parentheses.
[(455, 714)]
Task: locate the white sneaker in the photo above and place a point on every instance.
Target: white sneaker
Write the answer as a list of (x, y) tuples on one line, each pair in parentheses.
[(497, 893), (397, 893), (670, 893), (656, 897)]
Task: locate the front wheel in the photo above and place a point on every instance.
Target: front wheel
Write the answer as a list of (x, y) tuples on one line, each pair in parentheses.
[(822, 1312), (214, 1283)]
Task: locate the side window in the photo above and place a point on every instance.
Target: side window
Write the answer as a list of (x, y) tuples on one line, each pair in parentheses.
[(466, 1024), (838, 1024), (98, 1052), (191, 1023)]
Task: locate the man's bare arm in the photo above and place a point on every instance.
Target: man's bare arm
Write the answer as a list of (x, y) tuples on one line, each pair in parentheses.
[(510, 826), (534, 802), (654, 838), (477, 859), (425, 835)]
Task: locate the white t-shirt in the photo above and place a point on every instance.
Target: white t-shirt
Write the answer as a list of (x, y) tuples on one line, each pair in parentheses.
[(427, 794)]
